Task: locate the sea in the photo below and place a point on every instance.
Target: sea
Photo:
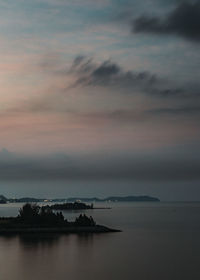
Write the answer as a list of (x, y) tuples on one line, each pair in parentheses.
[(159, 241)]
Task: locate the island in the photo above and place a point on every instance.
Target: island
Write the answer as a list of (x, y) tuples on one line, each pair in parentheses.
[(77, 205), (35, 219)]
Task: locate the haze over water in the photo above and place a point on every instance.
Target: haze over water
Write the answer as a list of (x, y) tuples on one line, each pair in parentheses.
[(159, 241)]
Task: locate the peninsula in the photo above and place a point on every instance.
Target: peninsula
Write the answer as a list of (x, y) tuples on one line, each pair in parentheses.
[(35, 219)]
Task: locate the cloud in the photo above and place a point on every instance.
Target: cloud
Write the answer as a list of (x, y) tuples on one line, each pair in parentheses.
[(183, 21), (135, 115), (112, 81), (110, 74), (190, 110)]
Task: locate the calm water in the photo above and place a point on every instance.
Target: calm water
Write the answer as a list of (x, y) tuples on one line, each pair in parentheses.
[(159, 241)]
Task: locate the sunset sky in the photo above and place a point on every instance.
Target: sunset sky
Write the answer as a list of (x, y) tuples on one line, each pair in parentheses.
[(100, 97)]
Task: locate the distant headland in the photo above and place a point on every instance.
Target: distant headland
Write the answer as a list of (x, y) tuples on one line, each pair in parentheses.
[(143, 198), (116, 199)]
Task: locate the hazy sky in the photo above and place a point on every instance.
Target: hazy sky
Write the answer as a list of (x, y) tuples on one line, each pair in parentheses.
[(100, 97)]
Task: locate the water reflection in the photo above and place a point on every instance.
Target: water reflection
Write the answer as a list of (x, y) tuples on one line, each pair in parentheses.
[(85, 238), (42, 241), (35, 241)]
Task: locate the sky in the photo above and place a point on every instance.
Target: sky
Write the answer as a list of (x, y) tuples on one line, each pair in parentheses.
[(100, 98)]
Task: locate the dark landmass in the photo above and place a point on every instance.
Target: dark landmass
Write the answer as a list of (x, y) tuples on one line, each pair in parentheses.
[(35, 219), (144, 198), (3, 199), (26, 199)]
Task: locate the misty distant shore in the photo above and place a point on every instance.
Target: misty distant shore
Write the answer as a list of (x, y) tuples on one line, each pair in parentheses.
[(143, 198)]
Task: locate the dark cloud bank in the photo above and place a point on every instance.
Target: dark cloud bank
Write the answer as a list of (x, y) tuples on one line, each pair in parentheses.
[(183, 21), (125, 167)]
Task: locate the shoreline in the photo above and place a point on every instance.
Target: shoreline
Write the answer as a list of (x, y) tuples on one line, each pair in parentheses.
[(61, 230)]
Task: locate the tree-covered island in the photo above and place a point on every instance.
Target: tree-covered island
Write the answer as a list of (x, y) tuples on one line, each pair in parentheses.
[(33, 218), (76, 205), (71, 206)]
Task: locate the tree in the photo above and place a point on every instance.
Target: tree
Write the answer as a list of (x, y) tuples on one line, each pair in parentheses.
[(34, 214), (29, 212)]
